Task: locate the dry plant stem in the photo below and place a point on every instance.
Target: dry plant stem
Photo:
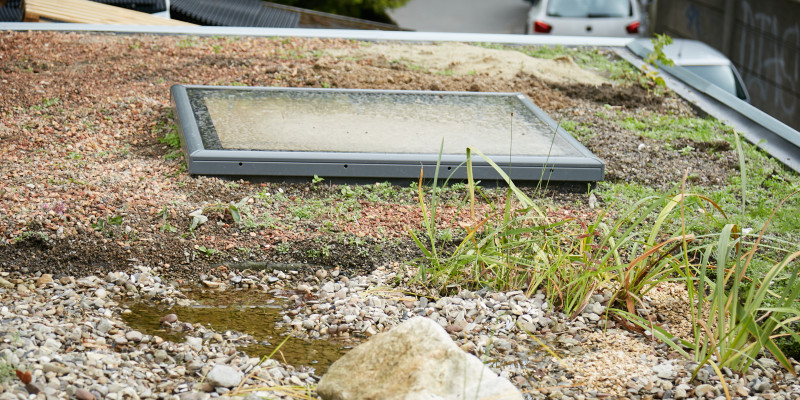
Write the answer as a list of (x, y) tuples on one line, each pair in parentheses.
[(252, 373), (721, 380)]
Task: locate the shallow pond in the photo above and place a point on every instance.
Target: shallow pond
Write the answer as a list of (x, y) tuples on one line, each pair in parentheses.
[(251, 312)]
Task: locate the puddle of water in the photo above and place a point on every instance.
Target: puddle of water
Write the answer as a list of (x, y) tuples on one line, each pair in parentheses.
[(255, 314)]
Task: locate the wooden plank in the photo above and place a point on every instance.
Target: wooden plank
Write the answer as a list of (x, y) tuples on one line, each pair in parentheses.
[(88, 12)]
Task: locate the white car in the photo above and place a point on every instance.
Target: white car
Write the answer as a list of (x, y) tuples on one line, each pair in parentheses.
[(612, 18), (705, 62)]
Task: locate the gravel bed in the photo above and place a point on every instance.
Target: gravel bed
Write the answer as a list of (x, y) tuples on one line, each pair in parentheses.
[(70, 335)]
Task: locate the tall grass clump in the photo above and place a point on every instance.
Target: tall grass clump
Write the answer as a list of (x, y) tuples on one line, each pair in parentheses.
[(736, 313), (518, 247), (735, 316)]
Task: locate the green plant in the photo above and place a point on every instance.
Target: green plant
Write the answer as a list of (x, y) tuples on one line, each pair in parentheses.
[(283, 248), (733, 322), (186, 43), (207, 251), (171, 138), (166, 226), (656, 58), (6, 369), (316, 179), (47, 103), (104, 225), (29, 235)]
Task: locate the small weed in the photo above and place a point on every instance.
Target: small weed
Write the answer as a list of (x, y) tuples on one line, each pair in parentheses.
[(6, 369), (657, 58), (207, 251), (167, 227), (686, 150), (29, 235), (316, 179), (171, 138), (186, 43), (283, 248), (47, 103), (104, 225)]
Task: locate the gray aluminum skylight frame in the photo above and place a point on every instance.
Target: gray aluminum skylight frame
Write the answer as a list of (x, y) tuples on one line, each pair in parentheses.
[(584, 167)]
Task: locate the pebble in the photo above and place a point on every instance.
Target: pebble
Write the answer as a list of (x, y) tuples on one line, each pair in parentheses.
[(701, 390), (83, 394), (86, 351), (224, 376), (134, 336), (169, 318)]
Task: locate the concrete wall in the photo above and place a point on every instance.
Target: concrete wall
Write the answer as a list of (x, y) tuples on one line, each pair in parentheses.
[(761, 37)]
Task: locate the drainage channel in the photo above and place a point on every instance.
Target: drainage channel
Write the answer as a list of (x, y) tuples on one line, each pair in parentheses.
[(250, 312)]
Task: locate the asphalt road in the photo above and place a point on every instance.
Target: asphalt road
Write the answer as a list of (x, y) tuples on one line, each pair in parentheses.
[(476, 16)]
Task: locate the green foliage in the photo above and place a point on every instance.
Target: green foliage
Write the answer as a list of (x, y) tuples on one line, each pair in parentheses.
[(47, 103), (29, 235), (6, 370), (166, 226), (104, 225), (171, 138), (316, 179), (517, 247), (657, 58), (741, 320), (207, 251), (767, 180), (234, 209), (187, 42), (283, 248)]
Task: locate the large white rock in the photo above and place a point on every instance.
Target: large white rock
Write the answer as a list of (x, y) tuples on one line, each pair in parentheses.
[(224, 376), (415, 360)]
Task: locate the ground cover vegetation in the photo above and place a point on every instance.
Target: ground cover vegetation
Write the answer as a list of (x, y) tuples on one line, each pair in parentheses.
[(93, 182)]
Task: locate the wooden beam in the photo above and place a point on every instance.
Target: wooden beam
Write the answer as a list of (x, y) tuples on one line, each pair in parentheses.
[(89, 12)]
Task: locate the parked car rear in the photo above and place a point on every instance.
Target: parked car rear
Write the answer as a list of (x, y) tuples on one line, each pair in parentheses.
[(614, 18)]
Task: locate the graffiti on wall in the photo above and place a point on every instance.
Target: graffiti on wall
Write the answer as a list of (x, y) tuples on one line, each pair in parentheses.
[(765, 56), (693, 20)]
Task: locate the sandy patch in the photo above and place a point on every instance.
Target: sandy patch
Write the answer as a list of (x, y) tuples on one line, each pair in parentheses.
[(618, 357), (464, 59)]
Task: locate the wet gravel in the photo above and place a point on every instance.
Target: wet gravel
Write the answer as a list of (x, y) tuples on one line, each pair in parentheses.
[(70, 335)]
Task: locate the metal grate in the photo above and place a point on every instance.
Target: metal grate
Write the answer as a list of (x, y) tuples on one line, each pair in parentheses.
[(145, 6), (254, 13), (11, 12)]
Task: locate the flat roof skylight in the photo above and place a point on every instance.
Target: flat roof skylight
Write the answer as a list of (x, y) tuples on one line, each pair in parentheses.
[(382, 134)]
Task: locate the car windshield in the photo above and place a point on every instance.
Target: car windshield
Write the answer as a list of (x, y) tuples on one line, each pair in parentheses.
[(589, 8), (720, 75)]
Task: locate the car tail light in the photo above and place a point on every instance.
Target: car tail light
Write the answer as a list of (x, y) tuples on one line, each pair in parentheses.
[(633, 28), (541, 27)]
